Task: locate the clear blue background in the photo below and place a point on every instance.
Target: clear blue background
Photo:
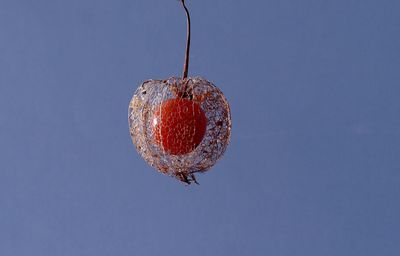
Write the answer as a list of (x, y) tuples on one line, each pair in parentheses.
[(314, 163)]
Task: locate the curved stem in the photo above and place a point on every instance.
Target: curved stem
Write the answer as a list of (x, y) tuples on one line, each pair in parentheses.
[(187, 54)]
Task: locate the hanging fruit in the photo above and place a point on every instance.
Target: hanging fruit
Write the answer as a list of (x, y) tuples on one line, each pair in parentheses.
[(180, 126)]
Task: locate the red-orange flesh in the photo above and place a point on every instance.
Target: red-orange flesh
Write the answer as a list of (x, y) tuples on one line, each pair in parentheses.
[(179, 126)]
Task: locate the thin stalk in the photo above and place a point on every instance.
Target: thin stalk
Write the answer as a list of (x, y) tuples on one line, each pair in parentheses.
[(187, 53)]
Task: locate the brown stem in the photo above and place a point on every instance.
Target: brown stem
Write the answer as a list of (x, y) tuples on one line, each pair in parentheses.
[(187, 54)]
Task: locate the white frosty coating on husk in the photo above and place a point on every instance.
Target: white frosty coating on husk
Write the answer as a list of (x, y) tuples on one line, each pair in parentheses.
[(149, 96)]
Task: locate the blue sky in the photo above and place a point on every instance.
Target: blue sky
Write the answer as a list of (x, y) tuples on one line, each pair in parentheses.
[(313, 167)]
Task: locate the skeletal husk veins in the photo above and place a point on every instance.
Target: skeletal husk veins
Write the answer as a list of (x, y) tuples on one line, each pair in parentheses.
[(202, 124)]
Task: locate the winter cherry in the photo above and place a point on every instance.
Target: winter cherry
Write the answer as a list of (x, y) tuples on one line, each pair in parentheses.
[(179, 126)]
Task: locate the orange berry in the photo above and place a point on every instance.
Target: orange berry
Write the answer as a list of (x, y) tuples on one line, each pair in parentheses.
[(179, 125)]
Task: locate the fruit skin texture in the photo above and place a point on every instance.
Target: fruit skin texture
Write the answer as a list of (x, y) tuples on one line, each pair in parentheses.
[(179, 125)]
